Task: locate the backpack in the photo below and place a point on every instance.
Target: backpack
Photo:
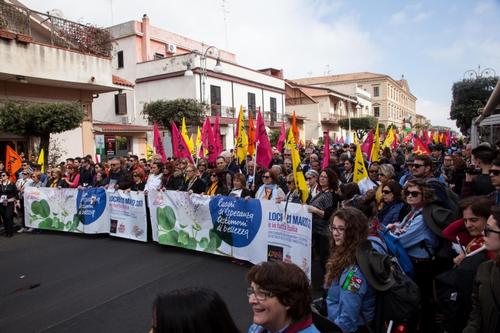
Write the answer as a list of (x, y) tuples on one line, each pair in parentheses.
[(398, 297), (397, 251), (446, 197)]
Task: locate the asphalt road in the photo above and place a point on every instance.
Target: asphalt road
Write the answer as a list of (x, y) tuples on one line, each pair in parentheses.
[(58, 282)]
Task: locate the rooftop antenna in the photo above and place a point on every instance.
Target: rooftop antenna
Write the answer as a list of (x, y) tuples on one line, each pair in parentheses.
[(225, 11)]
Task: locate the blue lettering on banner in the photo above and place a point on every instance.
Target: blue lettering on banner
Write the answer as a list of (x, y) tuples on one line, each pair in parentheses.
[(292, 219), (235, 221), (91, 204)]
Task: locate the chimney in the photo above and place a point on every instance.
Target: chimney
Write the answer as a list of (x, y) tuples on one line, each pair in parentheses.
[(146, 38)]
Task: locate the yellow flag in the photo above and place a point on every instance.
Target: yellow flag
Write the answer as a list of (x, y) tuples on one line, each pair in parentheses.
[(149, 151), (359, 166), (41, 160), (389, 139), (298, 175), (184, 133), (375, 155), (435, 137), (242, 138), (190, 144)]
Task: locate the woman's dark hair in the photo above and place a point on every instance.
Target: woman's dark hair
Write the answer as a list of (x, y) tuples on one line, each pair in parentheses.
[(356, 231), (427, 191), (349, 190), (241, 177), (395, 189), (287, 282), (191, 310), (333, 179), (273, 174), (170, 166), (480, 206)]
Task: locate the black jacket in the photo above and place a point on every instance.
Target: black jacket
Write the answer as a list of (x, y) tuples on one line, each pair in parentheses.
[(198, 186)]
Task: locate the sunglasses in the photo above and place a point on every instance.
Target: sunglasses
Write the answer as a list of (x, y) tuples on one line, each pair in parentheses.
[(373, 171), (494, 172), (416, 166), (412, 193), (289, 183), (488, 231), (213, 175), (386, 192), (266, 177)]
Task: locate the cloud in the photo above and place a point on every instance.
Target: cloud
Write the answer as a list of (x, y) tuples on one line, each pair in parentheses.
[(438, 113), (483, 7), (412, 13)]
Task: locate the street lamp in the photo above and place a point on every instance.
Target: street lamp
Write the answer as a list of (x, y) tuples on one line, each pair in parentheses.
[(473, 74)]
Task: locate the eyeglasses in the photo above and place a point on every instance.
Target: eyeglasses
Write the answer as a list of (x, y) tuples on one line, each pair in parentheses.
[(203, 165), (25, 174), (488, 231), (266, 177), (494, 172), (260, 295), (337, 229), (416, 165), (412, 193), (289, 182), (386, 192), (213, 175), (373, 171), (113, 164)]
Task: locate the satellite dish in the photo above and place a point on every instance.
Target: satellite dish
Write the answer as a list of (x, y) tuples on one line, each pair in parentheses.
[(56, 12)]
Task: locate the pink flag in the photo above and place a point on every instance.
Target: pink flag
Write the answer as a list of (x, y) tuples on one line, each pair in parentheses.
[(425, 139), (408, 138), (448, 138), (282, 137), (335, 140), (366, 147), (217, 136), (208, 142), (264, 150), (179, 145), (158, 143), (326, 151), (341, 141)]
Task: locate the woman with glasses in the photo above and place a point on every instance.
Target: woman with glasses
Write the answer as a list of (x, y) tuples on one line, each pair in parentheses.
[(8, 198), (203, 171), (217, 183), (454, 287), (138, 183), (191, 310), (350, 299), (312, 182), (419, 242), (193, 183), (172, 179), (292, 195), (386, 172), (485, 314), (270, 190), (321, 207), (394, 209), (280, 297), (347, 173), (240, 189), (56, 179)]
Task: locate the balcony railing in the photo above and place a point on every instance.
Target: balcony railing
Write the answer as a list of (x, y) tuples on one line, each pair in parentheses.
[(59, 32), (231, 112)]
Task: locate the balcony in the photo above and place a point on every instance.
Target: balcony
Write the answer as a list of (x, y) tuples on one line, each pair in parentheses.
[(328, 118), (221, 111), (26, 26)]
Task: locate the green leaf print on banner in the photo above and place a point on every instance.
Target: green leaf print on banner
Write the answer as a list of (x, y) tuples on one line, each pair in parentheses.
[(183, 238), (203, 243), (166, 217), (46, 224), (169, 238)]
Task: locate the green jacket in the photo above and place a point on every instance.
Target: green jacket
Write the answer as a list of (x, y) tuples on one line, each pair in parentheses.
[(485, 315)]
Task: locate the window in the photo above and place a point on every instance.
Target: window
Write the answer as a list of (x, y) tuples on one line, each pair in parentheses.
[(251, 104), (376, 91), (121, 104), (158, 56), (215, 100), (376, 111), (272, 102), (119, 56)]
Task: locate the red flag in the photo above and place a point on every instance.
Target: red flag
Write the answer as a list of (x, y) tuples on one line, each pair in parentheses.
[(419, 147), (295, 129), (13, 162), (448, 138), (251, 135), (264, 150), (217, 136), (335, 140), (442, 138), (326, 151), (158, 143), (408, 138), (179, 145), (282, 137), (366, 147)]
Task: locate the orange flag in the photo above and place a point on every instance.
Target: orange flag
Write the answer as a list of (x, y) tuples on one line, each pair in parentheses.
[(251, 135), (295, 129), (13, 162)]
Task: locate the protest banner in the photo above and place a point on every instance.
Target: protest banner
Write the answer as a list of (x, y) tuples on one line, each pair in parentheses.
[(69, 210), (127, 215)]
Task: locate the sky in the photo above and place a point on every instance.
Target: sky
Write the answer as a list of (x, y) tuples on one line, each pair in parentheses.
[(432, 43)]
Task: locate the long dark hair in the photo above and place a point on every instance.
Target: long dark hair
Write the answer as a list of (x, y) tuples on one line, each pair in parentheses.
[(356, 231), (192, 310)]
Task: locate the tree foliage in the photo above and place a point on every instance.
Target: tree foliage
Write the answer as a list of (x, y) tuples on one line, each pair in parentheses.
[(163, 111), (274, 136), (40, 119), (361, 125), (469, 96)]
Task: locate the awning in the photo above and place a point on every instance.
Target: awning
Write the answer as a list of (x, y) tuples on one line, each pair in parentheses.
[(121, 128)]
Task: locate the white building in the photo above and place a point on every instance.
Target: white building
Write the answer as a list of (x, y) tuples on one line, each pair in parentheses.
[(155, 62)]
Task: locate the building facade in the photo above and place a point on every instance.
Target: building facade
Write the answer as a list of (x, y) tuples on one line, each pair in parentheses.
[(392, 100), (164, 65)]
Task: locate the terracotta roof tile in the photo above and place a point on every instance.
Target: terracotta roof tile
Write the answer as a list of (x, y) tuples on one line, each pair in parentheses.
[(121, 81)]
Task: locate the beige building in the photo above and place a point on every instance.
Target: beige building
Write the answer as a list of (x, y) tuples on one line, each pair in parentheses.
[(392, 100), (320, 110)]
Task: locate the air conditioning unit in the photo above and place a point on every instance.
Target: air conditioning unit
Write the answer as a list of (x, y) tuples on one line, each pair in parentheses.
[(126, 120), (171, 48)]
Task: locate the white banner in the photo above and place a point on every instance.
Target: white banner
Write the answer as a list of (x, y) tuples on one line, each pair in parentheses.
[(70, 210), (127, 215)]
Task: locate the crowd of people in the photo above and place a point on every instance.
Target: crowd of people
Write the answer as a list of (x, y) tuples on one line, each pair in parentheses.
[(436, 216)]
